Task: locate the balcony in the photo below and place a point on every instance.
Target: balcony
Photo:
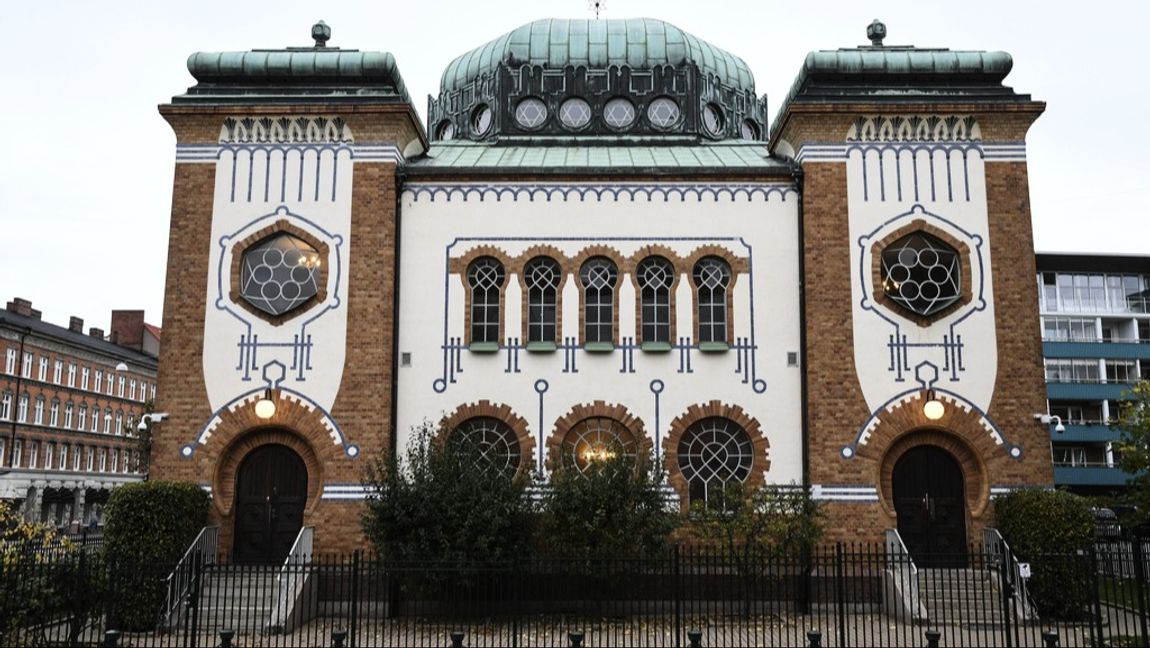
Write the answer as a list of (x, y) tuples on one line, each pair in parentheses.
[(1089, 475), (1094, 391), (1088, 432), (1118, 349)]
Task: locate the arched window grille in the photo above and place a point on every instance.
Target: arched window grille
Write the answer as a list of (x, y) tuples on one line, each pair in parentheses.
[(655, 275), (597, 439), (485, 278), (714, 452), (490, 444), (599, 276), (542, 276), (712, 275)]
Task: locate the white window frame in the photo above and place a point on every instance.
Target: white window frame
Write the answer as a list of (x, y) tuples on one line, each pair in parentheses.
[(38, 416), (82, 417), (17, 453), (98, 382), (120, 387), (49, 452), (77, 456), (69, 410), (103, 459), (119, 422), (33, 453), (26, 368), (113, 460), (22, 408), (91, 458), (54, 413), (72, 374), (10, 362), (84, 373), (107, 420), (42, 374), (132, 389), (63, 462), (6, 406)]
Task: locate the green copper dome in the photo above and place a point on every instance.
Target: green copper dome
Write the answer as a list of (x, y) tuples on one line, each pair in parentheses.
[(555, 43)]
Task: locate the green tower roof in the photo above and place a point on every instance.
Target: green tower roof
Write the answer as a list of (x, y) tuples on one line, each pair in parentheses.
[(636, 42)]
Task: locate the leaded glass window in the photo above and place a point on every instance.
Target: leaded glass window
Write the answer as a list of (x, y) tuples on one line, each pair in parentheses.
[(921, 273), (490, 444), (713, 120), (597, 439), (714, 452), (619, 113), (542, 276), (598, 276), (655, 275), (531, 113), (663, 112), (485, 278), (279, 274), (575, 113), (712, 275), (481, 120)]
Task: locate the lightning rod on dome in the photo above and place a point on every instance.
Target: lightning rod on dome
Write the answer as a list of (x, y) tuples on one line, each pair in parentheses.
[(596, 6)]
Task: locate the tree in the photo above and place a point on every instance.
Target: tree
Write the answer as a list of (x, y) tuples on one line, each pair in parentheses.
[(613, 508), (1134, 448), (770, 519), (443, 503)]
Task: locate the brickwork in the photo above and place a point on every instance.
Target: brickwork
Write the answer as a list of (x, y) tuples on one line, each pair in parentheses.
[(760, 463), (638, 442), (500, 412)]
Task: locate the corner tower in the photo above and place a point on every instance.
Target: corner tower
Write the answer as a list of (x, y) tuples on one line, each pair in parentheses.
[(918, 288), (282, 237)]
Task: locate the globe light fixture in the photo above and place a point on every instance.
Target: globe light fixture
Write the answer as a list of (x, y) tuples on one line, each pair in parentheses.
[(266, 407), (933, 409)]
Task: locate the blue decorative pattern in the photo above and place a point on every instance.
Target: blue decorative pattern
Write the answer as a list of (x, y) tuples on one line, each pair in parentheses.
[(583, 192)]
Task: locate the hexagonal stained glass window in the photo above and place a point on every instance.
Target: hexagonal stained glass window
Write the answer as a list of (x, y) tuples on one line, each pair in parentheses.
[(663, 112), (921, 273), (279, 273), (575, 113), (619, 113), (531, 113)]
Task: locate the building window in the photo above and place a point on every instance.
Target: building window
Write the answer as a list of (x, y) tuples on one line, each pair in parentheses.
[(54, 413), (143, 391), (72, 374), (575, 113), (42, 374), (103, 459), (119, 422), (712, 275), (597, 439), (663, 113), (1061, 370), (1069, 329), (3, 447), (6, 406), (10, 362), (22, 408), (598, 276), (1122, 371), (491, 443), (17, 452), (91, 458), (82, 417), (922, 274), (542, 276), (57, 371), (109, 383), (132, 389), (76, 457), (26, 367), (656, 275), (115, 461), (84, 378), (485, 278), (531, 113), (279, 274), (152, 390), (714, 452), (95, 418), (69, 408), (39, 415), (99, 381), (48, 450), (120, 387), (33, 454), (63, 456), (619, 113), (108, 421)]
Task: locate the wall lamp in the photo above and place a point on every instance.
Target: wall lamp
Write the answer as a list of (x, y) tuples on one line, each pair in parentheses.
[(1047, 419), (265, 406), (933, 408)]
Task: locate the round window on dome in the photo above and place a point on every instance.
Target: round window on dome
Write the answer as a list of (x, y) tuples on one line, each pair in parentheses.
[(713, 120), (575, 113), (749, 130), (481, 120), (445, 131), (531, 113), (619, 113), (663, 113)]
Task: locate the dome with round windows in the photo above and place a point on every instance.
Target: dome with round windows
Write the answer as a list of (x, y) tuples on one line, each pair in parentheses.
[(613, 78)]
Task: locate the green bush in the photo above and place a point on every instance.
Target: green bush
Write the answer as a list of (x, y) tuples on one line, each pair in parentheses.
[(148, 527), (443, 503), (614, 508), (1048, 529)]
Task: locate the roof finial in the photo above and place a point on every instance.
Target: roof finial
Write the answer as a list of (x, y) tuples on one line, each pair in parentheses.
[(876, 31), (596, 6), (321, 33)]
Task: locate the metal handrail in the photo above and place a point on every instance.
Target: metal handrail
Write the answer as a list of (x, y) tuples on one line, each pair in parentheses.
[(180, 580), (900, 561), (997, 549)]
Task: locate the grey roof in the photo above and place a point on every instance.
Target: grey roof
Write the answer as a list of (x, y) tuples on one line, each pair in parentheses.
[(636, 42), (38, 327), (736, 155)]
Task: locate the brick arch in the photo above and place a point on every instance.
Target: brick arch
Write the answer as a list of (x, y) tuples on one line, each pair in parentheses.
[(621, 262), (760, 464), (224, 480), (676, 262), (521, 262), (920, 225), (737, 264), (459, 266), (499, 412), (598, 409)]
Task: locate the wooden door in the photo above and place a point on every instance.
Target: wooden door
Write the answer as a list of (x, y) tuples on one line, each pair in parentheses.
[(929, 499), (271, 491)]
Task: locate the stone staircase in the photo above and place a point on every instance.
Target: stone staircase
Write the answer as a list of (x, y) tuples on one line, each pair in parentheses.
[(239, 599), (964, 597)]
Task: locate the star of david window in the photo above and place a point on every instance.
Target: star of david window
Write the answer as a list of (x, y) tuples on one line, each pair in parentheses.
[(619, 113), (531, 113), (575, 113), (922, 274), (663, 112), (714, 452), (279, 274), (488, 443), (595, 440)]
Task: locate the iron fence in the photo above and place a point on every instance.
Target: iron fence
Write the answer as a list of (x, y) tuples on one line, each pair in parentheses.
[(839, 595)]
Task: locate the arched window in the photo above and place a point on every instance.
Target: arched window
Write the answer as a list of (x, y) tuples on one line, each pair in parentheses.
[(542, 276), (712, 453), (655, 275), (598, 276), (489, 443), (597, 439), (712, 275), (485, 278)]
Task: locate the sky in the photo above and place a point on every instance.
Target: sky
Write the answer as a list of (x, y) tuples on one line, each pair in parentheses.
[(86, 162)]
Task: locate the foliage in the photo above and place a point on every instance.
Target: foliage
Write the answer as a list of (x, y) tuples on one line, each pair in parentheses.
[(1046, 528), (766, 520), (615, 508), (149, 526), (1134, 448), (441, 504)]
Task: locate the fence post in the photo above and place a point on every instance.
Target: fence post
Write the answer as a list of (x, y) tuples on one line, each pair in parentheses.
[(1140, 586), (1050, 639), (575, 638), (111, 638), (814, 639), (354, 622), (677, 587), (226, 637), (192, 630), (932, 638), (1096, 622), (840, 595), (338, 637), (695, 638), (1007, 588), (457, 639)]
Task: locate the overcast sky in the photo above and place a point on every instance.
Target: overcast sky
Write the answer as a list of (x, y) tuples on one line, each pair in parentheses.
[(86, 162)]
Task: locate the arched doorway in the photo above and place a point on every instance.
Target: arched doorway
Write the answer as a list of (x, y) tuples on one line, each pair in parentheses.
[(271, 491), (930, 502)]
